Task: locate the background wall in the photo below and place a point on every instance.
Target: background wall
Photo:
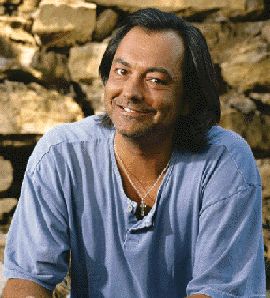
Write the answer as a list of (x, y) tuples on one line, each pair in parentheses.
[(49, 56)]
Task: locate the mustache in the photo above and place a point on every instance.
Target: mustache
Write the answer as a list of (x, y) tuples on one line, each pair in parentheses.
[(139, 107)]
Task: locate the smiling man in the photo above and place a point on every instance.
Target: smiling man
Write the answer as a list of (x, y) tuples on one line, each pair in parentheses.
[(153, 198), (145, 84)]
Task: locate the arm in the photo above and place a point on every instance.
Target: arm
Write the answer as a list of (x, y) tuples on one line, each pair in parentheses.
[(229, 250), (38, 243), (19, 288), (228, 256)]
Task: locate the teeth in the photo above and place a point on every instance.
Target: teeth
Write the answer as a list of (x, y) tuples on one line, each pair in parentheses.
[(128, 110)]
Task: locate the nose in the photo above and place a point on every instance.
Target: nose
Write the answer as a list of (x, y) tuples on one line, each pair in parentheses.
[(133, 89)]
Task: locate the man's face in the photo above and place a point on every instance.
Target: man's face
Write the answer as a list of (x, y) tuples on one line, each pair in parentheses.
[(143, 94)]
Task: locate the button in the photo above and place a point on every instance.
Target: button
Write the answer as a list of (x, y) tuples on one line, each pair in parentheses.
[(130, 208)]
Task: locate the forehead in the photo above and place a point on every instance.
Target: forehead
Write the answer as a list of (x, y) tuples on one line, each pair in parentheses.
[(152, 48)]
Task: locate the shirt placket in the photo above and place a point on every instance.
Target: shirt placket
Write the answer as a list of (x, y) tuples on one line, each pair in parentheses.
[(135, 228)]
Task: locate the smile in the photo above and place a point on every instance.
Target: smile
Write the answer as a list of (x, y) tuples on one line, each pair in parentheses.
[(128, 110), (135, 112)]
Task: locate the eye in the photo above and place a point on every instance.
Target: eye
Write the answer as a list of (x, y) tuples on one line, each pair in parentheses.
[(120, 71), (157, 81)]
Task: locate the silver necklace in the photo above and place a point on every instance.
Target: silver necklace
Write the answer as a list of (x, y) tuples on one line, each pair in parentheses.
[(142, 197)]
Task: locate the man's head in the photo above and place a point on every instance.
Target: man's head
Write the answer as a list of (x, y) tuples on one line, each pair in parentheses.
[(176, 53)]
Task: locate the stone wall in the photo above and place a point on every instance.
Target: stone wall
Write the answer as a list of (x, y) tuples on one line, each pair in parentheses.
[(49, 55)]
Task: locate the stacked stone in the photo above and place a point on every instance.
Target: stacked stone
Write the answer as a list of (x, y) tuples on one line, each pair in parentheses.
[(49, 56)]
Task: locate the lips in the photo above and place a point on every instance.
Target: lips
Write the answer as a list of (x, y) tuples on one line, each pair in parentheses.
[(128, 110), (135, 110)]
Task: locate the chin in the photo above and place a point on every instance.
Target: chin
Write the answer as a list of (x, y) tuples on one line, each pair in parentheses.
[(139, 132)]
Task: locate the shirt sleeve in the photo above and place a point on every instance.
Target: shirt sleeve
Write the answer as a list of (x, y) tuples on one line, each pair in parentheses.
[(228, 258), (37, 246)]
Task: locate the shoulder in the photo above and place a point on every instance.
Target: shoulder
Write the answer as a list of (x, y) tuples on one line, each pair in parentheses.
[(237, 150), (83, 130), (87, 130)]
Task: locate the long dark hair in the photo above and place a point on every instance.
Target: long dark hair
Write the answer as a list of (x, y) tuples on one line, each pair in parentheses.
[(199, 80)]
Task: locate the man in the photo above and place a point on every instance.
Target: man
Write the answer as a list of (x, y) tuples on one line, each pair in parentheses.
[(152, 199)]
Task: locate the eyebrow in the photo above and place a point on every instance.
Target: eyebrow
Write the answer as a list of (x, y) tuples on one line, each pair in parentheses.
[(161, 70), (119, 60), (150, 69)]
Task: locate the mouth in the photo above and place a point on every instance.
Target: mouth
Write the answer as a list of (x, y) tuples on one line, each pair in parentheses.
[(136, 111)]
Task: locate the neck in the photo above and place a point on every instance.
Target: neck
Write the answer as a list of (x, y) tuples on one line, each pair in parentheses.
[(146, 158)]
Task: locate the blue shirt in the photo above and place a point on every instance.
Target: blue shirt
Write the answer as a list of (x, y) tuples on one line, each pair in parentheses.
[(203, 234)]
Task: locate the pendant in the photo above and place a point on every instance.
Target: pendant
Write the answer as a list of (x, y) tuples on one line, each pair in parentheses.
[(142, 208)]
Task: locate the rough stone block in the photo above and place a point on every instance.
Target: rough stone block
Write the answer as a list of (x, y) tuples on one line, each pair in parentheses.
[(28, 6), (264, 168), (2, 247), (6, 175), (2, 278), (8, 23), (2, 10), (84, 61), (242, 103), (264, 98), (8, 57), (64, 23), (15, 2), (6, 206), (266, 32), (32, 109), (244, 6), (218, 37), (17, 45), (51, 65), (251, 128), (265, 146), (239, 115), (266, 236), (106, 22), (225, 38), (94, 93), (248, 66)]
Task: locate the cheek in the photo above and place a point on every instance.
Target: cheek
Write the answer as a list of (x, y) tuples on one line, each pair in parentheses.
[(171, 106), (169, 101), (109, 91), (107, 99), (107, 88)]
